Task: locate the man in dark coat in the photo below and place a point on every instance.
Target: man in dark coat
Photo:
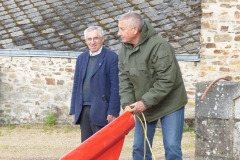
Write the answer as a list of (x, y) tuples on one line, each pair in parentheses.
[(95, 96)]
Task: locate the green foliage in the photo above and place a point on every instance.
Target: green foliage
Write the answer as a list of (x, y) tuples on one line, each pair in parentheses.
[(50, 119), (27, 126), (67, 129), (187, 128), (1, 133), (10, 127)]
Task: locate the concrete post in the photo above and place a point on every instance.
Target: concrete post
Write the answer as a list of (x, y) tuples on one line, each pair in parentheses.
[(217, 121)]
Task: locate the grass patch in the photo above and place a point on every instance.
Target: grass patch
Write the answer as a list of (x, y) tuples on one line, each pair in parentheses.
[(68, 129), (49, 128), (188, 129), (50, 119), (6, 147), (27, 126), (188, 146), (10, 127), (60, 128)]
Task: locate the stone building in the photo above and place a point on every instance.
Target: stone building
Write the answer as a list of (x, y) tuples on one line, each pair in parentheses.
[(40, 40)]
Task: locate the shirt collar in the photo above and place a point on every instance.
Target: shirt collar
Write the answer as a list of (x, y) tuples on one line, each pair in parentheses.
[(95, 53)]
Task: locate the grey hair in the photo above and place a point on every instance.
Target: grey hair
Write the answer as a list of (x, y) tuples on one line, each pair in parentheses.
[(133, 18), (92, 28)]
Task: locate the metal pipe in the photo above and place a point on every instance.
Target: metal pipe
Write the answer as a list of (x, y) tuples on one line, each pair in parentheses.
[(227, 78)]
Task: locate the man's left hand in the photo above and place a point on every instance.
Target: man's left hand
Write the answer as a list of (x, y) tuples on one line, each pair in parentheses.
[(110, 118), (138, 107)]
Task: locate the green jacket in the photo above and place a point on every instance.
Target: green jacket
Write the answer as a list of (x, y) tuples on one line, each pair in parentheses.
[(150, 72)]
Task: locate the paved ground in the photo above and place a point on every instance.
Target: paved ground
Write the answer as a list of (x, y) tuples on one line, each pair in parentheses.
[(28, 142)]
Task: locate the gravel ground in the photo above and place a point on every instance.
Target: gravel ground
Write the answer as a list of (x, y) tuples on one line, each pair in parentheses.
[(39, 142)]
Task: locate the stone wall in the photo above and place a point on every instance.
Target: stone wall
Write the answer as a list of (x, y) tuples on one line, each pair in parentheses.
[(33, 86), (218, 121), (30, 87), (219, 50), (58, 25)]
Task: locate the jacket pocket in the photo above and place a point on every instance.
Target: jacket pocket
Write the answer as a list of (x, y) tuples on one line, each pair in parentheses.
[(163, 60), (142, 69)]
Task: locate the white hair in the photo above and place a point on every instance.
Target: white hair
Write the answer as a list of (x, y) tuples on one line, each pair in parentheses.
[(133, 18), (92, 28)]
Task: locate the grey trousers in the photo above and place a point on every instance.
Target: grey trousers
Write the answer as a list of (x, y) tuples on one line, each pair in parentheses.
[(86, 127)]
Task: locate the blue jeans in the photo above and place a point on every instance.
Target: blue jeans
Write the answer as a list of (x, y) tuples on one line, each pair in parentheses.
[(172, 129)]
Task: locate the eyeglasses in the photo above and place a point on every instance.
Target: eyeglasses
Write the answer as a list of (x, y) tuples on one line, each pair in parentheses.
[(93, 39)]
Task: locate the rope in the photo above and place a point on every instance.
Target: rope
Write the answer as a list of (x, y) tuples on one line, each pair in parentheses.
[(145, 134)]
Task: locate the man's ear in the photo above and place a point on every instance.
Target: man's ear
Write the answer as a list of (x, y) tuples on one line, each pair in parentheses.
[(103, 38), (135, 29)]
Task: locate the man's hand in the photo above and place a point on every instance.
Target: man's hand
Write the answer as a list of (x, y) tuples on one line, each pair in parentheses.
[(110, 118), (127, 108), (138, 107)]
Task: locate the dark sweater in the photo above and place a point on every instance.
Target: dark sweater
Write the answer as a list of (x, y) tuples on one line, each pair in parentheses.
[(86, 84)]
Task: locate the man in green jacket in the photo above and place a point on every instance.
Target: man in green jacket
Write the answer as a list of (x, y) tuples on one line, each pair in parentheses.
[(151, 83)]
